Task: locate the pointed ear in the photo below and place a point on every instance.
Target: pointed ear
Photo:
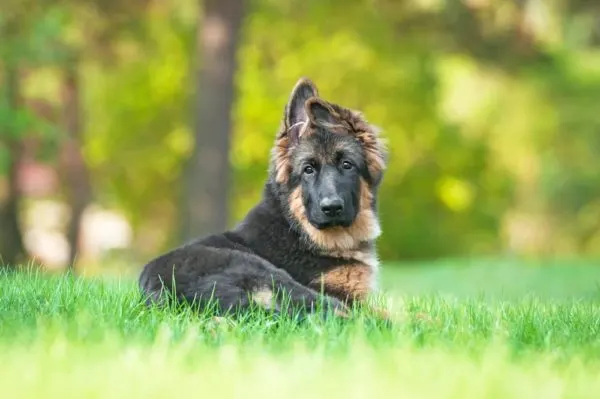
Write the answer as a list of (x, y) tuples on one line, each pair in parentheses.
[(320, 113), (295, 112)]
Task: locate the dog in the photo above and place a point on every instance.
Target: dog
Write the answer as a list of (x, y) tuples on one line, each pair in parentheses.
[(310, 240)]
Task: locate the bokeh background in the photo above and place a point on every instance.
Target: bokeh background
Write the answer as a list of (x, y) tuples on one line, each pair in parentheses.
[(128, 127)]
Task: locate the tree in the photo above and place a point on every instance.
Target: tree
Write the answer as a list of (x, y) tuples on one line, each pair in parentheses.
[(12, 249), (40, 34), (207, 173), (95, 41), (17, 24), (75, 171)]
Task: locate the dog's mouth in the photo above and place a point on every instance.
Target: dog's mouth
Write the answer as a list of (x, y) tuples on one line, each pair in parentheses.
[(330, 224)]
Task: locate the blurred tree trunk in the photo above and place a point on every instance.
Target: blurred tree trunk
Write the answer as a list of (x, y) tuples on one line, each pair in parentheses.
[(12, 250), (207, 173), (75, 173)]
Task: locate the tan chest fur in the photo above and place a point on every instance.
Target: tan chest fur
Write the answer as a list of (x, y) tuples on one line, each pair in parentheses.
[(353, 281)]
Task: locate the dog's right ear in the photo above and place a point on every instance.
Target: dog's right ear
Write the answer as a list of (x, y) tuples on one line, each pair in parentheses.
[(295, 112)]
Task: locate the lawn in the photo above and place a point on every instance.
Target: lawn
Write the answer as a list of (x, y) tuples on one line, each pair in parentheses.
[(465, 329)]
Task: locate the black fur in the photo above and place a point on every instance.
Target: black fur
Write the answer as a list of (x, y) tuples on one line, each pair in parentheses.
[(229, 267), (269, 251)]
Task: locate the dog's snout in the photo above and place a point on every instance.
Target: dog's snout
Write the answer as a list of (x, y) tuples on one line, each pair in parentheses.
[(332, 206)]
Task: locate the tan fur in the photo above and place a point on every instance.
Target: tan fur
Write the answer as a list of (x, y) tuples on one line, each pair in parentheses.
[(365, 227), (281, 158), (368, 137), (366, 256), (351, 282)]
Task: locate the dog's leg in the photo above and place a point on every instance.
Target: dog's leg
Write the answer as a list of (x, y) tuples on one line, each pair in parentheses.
[(271, 289), (241, 281)]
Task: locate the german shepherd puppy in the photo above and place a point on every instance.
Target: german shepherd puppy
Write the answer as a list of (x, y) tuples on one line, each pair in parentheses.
[(312, 236)]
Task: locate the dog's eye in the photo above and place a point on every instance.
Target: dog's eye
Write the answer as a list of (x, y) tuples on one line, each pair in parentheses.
[(309, 170), (346, 165)]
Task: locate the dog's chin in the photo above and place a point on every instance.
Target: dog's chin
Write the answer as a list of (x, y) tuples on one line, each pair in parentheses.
[(330, 224)]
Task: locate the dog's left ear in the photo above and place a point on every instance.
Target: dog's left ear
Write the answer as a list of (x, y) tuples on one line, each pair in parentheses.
[(321, 114)]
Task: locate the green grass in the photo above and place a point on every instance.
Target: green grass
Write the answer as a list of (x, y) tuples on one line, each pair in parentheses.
[(466, 329)]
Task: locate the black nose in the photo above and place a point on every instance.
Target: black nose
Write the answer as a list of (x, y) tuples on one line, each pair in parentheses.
[(332, 206)]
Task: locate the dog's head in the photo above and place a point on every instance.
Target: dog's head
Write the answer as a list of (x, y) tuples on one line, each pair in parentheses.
[(329, 162)]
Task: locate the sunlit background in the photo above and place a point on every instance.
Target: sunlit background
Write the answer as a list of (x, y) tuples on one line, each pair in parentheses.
[(491, 110)]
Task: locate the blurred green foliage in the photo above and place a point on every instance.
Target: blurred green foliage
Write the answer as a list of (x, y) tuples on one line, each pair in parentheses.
[(490, 110)]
